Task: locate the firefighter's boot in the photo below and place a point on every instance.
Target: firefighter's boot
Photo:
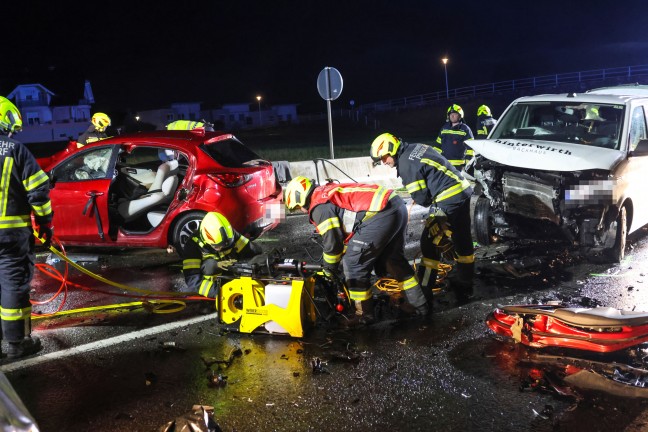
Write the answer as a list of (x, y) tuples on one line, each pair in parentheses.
[(462, 283), (415, 296), (427, 272), (28, 346), (364, 313)]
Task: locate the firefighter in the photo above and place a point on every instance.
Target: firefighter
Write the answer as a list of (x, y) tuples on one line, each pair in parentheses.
[(452, 138), (96, 131), (25, 190), (485, 122), (190, 125), (209, 250), (372, 220), (434, 182)]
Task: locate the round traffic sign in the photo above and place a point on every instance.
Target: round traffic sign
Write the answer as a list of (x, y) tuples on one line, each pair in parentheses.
[(329, 83)]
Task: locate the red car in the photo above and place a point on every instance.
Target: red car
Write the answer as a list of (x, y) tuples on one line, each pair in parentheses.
[(152, 189)]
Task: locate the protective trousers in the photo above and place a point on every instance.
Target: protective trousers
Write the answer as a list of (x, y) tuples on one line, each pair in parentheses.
[(16, 272), (459, 223), (380, 243)]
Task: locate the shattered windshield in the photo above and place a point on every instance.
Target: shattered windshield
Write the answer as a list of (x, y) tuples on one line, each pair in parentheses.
[(582, 123)]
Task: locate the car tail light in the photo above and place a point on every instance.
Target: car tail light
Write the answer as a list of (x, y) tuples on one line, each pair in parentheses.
[(231, 179)]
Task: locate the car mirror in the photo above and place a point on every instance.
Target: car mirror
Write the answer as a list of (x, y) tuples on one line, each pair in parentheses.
[(52, 179), (641, 149)]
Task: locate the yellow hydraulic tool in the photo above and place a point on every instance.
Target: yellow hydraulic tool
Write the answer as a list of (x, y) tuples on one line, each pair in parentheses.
[(283, 306)]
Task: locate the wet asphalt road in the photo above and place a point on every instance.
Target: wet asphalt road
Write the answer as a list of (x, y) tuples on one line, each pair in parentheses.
[(134, 370)]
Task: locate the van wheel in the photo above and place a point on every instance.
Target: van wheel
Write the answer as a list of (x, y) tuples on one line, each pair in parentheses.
[(620, 227), (184, 227), (482, 221)]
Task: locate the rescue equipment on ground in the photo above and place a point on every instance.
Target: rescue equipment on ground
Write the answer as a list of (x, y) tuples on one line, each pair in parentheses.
[(270, 294)]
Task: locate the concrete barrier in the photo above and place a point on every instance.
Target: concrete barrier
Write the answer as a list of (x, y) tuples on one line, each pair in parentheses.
[(347, 170)]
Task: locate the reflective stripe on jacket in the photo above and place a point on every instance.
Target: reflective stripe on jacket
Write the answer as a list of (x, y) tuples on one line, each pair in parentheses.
[(24, 188)]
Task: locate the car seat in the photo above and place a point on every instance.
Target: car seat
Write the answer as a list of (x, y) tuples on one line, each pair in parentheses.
[(160, 192)]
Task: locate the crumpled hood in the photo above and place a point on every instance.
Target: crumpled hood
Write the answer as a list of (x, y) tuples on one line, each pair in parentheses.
[(546, 155)]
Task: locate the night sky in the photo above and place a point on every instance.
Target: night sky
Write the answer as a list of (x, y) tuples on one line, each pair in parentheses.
[(144, 54)]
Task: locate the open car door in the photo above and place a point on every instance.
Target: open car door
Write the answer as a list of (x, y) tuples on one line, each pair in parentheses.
[(80, 197)]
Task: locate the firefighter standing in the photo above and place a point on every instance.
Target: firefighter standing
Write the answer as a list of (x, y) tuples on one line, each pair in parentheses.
[(432, 181), (206, 253), (96, 131), (375, 219), (25, 189), (452, 138), (485, 122)]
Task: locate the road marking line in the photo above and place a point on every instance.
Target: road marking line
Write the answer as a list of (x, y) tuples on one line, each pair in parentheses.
[(21, 364)]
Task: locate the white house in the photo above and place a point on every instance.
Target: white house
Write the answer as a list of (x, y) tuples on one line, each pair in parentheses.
[(43, 122)]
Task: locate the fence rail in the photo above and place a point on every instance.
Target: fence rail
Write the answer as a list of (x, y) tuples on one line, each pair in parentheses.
[(619, 75)]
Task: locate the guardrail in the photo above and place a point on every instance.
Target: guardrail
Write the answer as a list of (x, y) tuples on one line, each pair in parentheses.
[(619, 75)]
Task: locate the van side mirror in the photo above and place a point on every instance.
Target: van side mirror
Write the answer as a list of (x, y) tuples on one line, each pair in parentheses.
[(641, 149)]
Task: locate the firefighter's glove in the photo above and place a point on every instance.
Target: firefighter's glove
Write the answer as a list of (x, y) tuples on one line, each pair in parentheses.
[(332, 273), (45, 234), (210, 267), (439, 230)]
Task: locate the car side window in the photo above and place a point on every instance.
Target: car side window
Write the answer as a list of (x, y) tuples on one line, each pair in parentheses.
[(637, 127), (88, 165)]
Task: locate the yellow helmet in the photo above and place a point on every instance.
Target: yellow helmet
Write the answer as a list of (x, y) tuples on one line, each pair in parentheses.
[(384, 144), (10, 118), (100, 121), (297, 192), (216, 231), (484, 110), (455, 108)]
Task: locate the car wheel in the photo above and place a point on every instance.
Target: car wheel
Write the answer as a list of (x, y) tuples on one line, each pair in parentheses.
[(482, 222), (620, 229), (184, 227)]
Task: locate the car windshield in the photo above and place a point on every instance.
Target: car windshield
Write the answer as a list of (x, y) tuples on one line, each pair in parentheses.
[(230, 153), (580, 123)]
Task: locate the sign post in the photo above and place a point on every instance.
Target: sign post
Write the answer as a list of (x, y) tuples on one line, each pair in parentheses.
[(329, 86)]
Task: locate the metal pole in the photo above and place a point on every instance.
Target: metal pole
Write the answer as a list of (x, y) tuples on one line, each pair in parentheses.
[(445, 68), (330, 124)]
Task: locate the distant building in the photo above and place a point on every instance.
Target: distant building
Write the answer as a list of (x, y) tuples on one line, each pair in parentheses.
[(228, 117), (43, 122)]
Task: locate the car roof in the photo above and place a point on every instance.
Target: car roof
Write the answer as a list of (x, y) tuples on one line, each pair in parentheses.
[(588, 97), (629, 90)]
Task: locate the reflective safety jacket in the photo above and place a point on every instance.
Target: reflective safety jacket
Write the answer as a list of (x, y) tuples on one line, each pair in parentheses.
[(430, 178), (485, 124), (24, 189), (451, 143), (337, 210), (199, 261)]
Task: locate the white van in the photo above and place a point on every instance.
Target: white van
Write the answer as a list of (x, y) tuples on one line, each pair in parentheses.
[(571, 166)]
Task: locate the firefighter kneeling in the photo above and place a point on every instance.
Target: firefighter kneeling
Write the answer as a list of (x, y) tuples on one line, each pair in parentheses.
[(206, 254), (372, 220)]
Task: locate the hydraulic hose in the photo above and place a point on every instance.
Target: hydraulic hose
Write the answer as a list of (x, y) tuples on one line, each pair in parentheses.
[(156, 301)]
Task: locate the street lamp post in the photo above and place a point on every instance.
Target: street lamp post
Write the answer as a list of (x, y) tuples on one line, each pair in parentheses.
[(259, 101), (445, 68)]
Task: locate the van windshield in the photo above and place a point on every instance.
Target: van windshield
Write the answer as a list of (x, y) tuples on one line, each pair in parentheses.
[(583, 123)]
